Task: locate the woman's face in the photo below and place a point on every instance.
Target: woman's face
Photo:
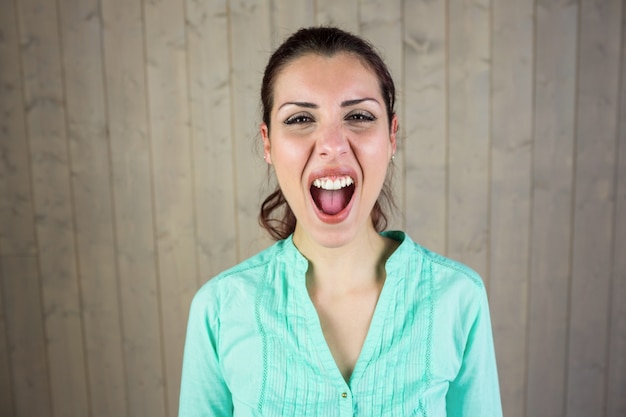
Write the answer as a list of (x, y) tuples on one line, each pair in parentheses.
[(330, 144)]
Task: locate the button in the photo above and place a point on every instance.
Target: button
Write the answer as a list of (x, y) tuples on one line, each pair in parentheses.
[(344, 395)]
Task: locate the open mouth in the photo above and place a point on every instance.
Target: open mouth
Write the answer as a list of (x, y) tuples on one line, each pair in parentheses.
[(332, 194)]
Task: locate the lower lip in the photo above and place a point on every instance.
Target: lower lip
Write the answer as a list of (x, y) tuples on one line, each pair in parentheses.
[(332, 218)]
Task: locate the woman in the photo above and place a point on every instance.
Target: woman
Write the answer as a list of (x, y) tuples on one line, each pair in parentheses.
[(338, 317)]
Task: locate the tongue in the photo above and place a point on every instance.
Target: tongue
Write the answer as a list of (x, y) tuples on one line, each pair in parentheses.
[(332, 202)]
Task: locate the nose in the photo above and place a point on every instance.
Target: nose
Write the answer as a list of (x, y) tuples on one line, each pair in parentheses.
[(332, 142)]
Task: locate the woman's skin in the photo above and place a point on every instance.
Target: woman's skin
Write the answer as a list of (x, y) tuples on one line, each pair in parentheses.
[(329, 122)]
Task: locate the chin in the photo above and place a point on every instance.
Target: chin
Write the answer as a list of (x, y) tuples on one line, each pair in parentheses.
[(330, 236)]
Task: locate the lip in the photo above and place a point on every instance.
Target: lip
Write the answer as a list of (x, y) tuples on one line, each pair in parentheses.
[(332, 172)]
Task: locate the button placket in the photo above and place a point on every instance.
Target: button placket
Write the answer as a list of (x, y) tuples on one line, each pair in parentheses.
[(346, 404)]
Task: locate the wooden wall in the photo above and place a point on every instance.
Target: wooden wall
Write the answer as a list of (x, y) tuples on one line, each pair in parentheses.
[(130, 173)]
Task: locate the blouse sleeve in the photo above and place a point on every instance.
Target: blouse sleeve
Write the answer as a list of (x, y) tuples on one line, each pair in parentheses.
[(475, 390), (203, 391)]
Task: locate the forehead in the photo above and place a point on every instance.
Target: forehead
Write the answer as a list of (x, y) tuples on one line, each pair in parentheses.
[(316, 74)]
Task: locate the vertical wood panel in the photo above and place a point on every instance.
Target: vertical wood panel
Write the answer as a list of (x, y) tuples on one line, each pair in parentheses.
[(425, 138), (6, 368), (511, 132), (250, 43), (126, 95), (17, 231), (172, 179), (343, 14), (616, 389), (46, 118), (596, 130), (287, 17), (381, 24), (23, 367), (468, 126), (212, 136), (555, 86), (89, 156), (25, 334)]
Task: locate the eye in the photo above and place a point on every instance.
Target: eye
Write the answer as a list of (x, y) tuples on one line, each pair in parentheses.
[(361, 116), (299, 118)]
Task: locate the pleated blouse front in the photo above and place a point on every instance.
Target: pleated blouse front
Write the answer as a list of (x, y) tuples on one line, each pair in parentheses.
[(255, 346)]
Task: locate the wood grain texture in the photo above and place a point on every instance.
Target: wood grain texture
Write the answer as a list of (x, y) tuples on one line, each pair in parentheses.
[(616, 400), (616, 381), (26, 338), (22, 350), (344, 14), (131, 175), (511, 150), (211, 109), (172, 179), (6, 363), (469, 132), (54, 213), (599, 53), (131, 172), (553, 153), (250, 40), (425, 122), (17, 232), (381, 24), (287, 17), (89, 153)]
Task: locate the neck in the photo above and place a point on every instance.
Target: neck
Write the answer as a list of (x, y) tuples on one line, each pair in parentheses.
[(357, 264)]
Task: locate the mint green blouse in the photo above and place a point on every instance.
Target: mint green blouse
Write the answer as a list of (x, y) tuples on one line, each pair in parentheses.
[(255, 346)]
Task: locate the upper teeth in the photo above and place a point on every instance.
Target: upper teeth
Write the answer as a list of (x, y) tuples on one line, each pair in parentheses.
[(330, 184)]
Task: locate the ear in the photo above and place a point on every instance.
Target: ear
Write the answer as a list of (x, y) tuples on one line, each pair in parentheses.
[(393, 134), (265, 134)]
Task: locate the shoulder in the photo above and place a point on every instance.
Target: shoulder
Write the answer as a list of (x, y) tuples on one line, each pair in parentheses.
[(239, 283), (456, 296), (452, 285), (441, 269), (459, 295), (460, 291), (451, 272)]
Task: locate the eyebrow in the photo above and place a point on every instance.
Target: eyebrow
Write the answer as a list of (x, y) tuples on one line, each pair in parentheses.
[(346, 103), (349, 103)]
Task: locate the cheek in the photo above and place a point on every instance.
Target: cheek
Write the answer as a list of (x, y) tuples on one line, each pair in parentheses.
[(375, 150), (290, 155), (285, 152), (288, 163)]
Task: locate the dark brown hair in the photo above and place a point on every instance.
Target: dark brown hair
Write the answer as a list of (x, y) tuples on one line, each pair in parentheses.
[(276, 215)]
